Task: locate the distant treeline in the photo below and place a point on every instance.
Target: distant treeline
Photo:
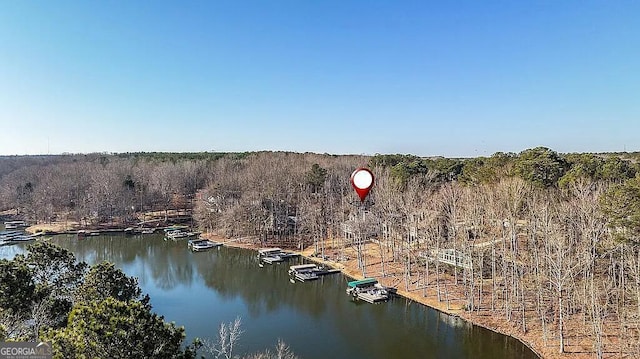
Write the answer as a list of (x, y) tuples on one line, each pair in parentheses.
[(540, 166), (101, 187)]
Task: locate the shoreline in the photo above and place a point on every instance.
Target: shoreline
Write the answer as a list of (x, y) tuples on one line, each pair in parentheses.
[(407, 295), (453, 310), (458, 313)]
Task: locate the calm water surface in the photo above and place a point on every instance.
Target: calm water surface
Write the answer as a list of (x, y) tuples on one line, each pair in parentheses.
[(317, 319)]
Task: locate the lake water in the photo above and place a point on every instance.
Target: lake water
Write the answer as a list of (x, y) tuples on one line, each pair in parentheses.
[(316, 319)]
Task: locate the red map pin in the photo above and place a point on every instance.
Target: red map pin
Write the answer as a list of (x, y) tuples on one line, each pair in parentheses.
[(362, 181)]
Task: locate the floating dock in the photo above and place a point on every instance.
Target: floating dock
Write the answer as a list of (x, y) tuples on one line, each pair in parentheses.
[(274, 255), (15, 224), (303, 272), (308, 272), (139, 230), (201, 245), (180, 234), (13, 237)]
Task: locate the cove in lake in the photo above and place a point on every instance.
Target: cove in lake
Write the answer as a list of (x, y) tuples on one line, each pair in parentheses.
[(316, 319)]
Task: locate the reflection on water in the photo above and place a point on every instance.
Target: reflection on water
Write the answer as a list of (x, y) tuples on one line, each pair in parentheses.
[(317, 319)]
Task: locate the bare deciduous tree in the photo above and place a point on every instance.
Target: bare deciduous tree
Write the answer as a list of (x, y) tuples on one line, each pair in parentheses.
[(226, 342)]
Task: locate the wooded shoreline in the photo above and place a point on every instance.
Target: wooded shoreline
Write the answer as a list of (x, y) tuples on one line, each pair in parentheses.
[(306, 254), (538, 245), (385, 281)]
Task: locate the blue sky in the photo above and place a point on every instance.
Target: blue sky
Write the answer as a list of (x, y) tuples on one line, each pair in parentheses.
[(450, 78)]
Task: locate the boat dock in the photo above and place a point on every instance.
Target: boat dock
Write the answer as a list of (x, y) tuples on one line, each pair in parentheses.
[(13, 237), (369, 290), (15, 224), (176, 234), (303, 272), (274, 255), (308, 272), (139, 230), (200, 245)]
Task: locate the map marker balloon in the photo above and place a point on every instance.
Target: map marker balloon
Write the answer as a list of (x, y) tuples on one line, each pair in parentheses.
[(362, 181)]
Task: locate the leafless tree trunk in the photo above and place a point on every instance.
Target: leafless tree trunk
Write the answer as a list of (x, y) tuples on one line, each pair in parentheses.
[(227, 341)]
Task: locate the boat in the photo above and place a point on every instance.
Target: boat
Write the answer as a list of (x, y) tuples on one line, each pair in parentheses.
[(356, 285), (274, 255), (300, 268), (270, 255), (367, 289), (179, 234), (304, 272), (272, 259), (138, 230), (287, 255), (197, 239), (203, 245), (174, 228)]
